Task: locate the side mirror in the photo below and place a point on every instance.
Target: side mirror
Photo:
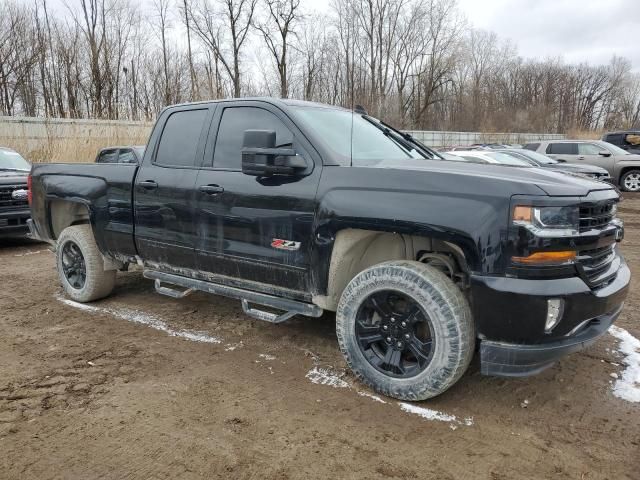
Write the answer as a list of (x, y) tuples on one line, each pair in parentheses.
[(561, 160), (261, 158), (604, 153)]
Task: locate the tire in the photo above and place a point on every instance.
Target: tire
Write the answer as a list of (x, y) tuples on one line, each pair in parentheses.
[(98, 282), (630, 181), (438, 300)]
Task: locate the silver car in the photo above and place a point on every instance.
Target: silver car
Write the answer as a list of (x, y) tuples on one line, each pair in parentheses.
[(623, 166)]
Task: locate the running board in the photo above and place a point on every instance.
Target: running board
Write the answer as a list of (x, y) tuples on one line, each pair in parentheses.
[(247, 297)]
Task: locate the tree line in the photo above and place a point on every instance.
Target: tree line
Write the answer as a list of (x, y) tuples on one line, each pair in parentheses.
[(417, 63)]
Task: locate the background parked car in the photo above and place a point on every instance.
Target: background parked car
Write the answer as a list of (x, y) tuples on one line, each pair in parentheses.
[(540, 160), (629, 140), (127, 154), (623, 166), (14, 206)]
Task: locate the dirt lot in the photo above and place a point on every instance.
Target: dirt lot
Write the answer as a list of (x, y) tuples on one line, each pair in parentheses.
[(144, 386)]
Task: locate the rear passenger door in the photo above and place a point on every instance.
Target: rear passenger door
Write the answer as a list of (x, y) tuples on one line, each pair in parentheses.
[(164, 193), (255, 228), (563, 151)]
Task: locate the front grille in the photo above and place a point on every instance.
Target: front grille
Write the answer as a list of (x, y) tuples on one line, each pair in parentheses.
[(7, 200), (596, 262), (596, 216)]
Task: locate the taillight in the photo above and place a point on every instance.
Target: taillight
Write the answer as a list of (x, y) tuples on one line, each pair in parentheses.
[(29, 195)]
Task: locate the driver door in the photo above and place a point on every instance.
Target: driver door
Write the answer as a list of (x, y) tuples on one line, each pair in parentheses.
[(257, 229), (590, 153)]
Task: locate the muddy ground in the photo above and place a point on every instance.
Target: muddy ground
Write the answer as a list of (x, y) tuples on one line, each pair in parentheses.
[(126, 389)]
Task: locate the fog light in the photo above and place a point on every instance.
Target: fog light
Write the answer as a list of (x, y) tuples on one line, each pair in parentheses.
[(555, 309)]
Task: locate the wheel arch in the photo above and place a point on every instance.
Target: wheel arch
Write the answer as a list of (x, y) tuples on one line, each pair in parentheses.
[(356, 249)]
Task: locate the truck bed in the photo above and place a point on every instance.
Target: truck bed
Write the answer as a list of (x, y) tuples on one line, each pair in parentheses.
[(100, 192)]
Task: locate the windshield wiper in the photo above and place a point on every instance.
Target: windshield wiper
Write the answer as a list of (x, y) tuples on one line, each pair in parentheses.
[(390, 133), (8, 169), (409, 138)]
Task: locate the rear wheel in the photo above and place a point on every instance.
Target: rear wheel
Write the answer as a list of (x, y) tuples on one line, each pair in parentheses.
[(81, 265), (405, 329), (630, 181)]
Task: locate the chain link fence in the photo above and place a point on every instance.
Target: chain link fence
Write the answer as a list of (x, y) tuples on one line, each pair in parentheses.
[(437, 139)]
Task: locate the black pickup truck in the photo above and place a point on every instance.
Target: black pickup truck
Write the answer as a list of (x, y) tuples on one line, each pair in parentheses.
[(297, 208)]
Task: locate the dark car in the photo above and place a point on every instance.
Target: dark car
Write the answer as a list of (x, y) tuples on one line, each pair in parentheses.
[(540, 160), (302, 207), (628, 140), (14, 208), (127, 154)]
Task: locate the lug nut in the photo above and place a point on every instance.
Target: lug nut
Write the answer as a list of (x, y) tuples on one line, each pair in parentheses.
[(403, 324), (393, 320), (389, 339), (406, 335), (385, 327), (399, 344)]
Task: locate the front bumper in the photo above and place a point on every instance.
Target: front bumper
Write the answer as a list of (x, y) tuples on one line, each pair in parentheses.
[(13, 223), (510, 314)]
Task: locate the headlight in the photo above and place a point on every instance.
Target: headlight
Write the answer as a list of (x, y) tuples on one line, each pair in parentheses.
[(548, 221)]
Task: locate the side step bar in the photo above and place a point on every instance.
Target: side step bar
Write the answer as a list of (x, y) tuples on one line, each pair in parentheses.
[(247, 297)]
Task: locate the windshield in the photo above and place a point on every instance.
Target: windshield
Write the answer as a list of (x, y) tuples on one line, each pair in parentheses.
[(11, 160), (504, 159), (615, 149), (537, 158), (370, 143)]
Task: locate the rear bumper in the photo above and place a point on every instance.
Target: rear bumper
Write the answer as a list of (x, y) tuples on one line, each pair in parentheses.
[(13, 223), (510, 317)]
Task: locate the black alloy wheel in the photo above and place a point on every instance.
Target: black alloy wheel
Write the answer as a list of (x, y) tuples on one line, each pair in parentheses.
[(73, 265), (394, 334)]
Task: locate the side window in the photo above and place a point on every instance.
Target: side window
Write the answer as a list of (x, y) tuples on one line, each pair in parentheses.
[(126, 156), (234, 121), (532, 146), (179, 142), (589, 149), (108, 156), (615, 138), (632, 139), (562, 149)]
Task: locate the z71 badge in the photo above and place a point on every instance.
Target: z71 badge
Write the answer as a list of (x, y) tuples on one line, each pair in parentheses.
[(285, 244)]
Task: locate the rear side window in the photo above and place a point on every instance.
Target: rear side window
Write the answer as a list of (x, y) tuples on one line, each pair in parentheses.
[(126, 156), (234, 121), (180, 136), (108, 156), (562, 148), (615, 138), (532, 146)]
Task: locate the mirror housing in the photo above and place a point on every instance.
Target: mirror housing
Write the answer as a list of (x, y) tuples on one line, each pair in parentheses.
[(261, 158), (604, 153)]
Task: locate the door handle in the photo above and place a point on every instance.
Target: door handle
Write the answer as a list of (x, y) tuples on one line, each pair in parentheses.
[(148, 185), (580, 157), (211, 189)]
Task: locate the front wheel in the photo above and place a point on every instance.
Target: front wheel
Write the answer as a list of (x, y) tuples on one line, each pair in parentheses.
[(630, 181), (81, 266), (405, 330)]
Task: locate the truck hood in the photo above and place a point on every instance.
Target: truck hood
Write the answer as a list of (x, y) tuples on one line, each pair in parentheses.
[(549, 182), (10, 177)]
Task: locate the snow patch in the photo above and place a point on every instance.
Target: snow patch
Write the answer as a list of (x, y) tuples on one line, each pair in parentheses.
[(627, 387), (29, 252), (371, 396), (267, 356), (230, 347), (142, 318), (323, 376), (436, 415)]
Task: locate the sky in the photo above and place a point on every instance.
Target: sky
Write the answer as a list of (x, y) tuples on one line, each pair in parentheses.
[(576, 30)]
